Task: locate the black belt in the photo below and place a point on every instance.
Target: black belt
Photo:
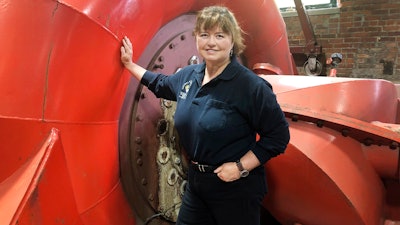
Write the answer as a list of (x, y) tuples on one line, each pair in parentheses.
[(202, 167)]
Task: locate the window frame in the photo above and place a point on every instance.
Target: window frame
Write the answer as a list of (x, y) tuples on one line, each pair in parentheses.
[(332, 4)]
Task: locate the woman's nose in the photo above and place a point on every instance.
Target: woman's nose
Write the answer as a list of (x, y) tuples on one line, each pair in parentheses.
[(211, 40)]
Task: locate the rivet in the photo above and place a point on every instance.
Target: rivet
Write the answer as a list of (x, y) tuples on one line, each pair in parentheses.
[(183, 37), (139, 161), (158, 66), (151, 197), (320, 123), (368, 142), (139, 151), (345, 132), (394, 145), (138, 140), (144, 181)]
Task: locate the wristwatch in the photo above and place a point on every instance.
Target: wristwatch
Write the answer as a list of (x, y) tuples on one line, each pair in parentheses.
[(243, 171)]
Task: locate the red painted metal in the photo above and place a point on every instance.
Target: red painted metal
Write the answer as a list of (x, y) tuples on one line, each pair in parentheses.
[(337, 147), (62, 89)]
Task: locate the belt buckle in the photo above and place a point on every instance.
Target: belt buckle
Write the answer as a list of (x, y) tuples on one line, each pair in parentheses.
[(201, 168)]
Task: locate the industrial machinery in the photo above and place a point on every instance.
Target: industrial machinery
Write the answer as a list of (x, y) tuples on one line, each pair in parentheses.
[(82, 143)]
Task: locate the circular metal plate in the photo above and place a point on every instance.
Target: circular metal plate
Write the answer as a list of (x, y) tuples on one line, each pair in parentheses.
[(153, 170)]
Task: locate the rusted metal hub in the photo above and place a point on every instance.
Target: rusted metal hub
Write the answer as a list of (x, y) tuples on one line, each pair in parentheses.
[(153, 169)]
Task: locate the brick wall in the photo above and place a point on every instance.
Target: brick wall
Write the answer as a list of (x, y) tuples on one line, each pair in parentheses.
[(365, 32)]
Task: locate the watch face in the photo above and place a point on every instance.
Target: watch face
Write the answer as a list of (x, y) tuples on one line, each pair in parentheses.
[(244, 173)]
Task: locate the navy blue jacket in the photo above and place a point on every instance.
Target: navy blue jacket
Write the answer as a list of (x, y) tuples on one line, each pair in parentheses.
[(218, 122)]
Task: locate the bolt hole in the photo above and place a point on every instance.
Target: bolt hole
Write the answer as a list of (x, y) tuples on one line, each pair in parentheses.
[(173, 176), (164, 155), (162, 127)]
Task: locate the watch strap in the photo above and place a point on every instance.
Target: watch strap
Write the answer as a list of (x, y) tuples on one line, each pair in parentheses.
[(239, 165), (243, 172)]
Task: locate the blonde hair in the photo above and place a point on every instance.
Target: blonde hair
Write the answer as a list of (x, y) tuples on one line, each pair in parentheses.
[(220, 16)]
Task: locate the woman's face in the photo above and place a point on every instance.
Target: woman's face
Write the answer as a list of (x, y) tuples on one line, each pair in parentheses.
[(214, 45)]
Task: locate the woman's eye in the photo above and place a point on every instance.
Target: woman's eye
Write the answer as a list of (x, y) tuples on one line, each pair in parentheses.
[(203, 35)]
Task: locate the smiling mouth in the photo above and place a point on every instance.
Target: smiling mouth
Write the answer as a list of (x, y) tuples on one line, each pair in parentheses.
[(211, 50)]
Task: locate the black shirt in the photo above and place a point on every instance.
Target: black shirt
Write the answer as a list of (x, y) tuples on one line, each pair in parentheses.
[(218, 122)]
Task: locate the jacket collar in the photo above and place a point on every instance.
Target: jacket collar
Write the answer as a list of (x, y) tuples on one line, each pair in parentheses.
[(229, 72)]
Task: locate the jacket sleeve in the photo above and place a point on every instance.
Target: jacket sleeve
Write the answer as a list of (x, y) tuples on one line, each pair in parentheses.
[(269, 122), (161, 85)]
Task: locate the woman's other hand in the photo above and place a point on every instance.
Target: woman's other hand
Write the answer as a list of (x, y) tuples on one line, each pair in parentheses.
[(228, 172), (126, 51)]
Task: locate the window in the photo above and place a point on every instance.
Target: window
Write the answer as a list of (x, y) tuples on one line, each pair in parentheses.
[(289, 5)]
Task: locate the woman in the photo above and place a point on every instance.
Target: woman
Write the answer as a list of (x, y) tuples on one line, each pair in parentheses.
[(221, 106)]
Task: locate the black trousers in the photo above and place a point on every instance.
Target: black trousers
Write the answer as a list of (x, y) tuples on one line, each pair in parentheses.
[(210, 201)]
